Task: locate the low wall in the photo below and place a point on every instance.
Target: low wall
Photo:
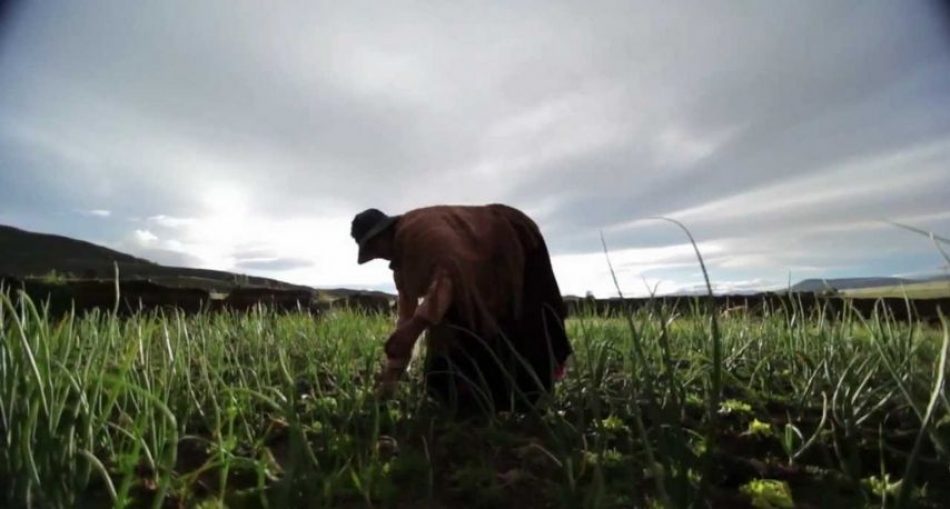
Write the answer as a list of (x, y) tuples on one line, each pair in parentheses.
[(136, 295), (86, 295)]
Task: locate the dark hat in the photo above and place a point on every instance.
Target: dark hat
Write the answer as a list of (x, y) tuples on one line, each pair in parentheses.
[(366, 225)]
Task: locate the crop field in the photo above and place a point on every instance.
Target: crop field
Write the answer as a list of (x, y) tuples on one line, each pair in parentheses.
[(277, 410), (928, 290)]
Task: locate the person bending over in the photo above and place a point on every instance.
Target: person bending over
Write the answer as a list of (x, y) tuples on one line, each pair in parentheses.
[(489, 301)]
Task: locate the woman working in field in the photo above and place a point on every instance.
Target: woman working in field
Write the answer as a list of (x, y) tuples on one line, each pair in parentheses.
[(490, 302)]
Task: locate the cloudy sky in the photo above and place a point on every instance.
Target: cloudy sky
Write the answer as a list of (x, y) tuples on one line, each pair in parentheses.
[(244, 135)]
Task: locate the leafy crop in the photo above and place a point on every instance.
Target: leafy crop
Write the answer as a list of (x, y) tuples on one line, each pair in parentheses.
[(277, 410)]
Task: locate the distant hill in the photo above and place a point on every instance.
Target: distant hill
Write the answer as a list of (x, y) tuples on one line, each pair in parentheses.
[(935, 286), (860, 283), (932, 289), (854, 283), (26, 254)]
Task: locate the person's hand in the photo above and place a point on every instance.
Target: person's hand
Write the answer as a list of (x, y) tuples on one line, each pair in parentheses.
[(400, 343), (385, 389), (388, 379), (398, 350)]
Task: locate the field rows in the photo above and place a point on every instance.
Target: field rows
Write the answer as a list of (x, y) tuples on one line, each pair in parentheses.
[(277, 410)]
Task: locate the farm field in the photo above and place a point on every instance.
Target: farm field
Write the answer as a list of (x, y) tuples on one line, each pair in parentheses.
[(926, 290), (277, 410)]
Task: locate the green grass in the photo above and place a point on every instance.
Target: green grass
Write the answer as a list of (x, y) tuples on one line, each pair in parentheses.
[(928, 290), (268, 410)]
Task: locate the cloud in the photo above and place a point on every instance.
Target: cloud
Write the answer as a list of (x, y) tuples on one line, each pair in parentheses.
[(637, 269), (167, 257), (145, 244), (272, 264), (674, 147), (313, 251), (144, 237), (170, 222), (780, 134), (731, 287), (854, 188), (96, 213)]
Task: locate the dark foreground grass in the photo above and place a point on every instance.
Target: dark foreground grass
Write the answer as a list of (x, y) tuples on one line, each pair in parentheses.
[(269, 410)]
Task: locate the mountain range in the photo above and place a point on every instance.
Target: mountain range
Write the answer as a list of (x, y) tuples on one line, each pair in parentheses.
[(858, 283), (25, 254)]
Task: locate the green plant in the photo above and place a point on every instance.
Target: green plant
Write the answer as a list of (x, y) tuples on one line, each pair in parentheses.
[(270, 409)]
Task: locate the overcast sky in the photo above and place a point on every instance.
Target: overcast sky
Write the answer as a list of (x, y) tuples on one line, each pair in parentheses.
[(244, 135)]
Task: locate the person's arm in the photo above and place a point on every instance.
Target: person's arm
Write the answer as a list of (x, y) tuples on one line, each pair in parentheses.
[(413, 320), (406, 310), (405, 307)]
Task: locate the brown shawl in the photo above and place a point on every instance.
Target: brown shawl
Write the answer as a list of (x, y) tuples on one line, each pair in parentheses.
[(483, 250)]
